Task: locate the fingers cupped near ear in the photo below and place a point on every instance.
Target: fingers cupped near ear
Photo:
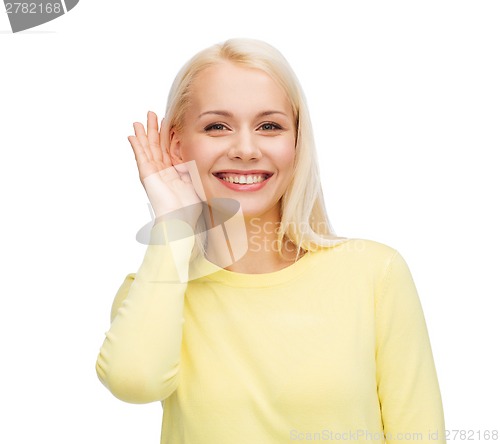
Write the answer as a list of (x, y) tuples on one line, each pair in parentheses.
[(140, 134), (165, 142), (152, 122), (140, 154), (154, 138)]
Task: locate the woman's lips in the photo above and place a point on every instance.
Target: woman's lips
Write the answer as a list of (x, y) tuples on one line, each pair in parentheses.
[(244, 186)]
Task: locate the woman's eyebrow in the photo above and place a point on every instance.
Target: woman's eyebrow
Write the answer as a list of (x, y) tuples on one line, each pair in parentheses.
[(228, 114), (218, 113)]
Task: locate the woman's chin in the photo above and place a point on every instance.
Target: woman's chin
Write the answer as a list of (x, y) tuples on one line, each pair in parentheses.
[(252, 206), (251, 211)]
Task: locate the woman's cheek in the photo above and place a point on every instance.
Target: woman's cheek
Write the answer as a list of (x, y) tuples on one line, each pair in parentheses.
[(286, 150), (205, 146), (194, 149)]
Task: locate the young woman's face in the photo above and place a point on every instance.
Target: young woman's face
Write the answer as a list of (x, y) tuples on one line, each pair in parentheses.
[(239, 129)]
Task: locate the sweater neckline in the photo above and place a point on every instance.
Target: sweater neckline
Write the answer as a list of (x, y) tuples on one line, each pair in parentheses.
[(286, 274)]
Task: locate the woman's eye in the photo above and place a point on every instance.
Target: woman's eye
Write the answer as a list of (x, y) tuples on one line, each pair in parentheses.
[(215, 127), (270, 126)]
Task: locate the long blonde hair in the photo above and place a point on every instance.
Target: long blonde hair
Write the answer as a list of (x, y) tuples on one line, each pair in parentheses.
[(304, 219)]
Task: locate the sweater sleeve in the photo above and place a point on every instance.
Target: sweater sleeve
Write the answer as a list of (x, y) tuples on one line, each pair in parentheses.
[(140, 357), (408, 389)]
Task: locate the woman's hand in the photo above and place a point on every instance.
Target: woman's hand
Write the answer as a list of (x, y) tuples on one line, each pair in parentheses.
[(169, 188)]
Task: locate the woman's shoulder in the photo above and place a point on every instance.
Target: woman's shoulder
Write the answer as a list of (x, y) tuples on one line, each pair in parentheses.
[(361, 247), (357, 255)]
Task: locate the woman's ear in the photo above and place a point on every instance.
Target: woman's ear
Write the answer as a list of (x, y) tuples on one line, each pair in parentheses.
[(175, 147)]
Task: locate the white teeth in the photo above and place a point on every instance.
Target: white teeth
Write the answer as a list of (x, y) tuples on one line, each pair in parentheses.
[(244, 179)]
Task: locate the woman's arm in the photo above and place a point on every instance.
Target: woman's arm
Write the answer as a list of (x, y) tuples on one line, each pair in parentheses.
[(408, 388), (139, 359)]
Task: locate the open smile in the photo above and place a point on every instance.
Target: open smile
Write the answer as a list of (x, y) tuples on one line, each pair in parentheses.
[(236, 180)]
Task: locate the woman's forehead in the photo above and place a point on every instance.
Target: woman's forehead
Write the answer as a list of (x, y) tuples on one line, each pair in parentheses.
[(230, 87)]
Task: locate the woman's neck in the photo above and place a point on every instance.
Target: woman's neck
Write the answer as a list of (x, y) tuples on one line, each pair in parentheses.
[(262, 255)]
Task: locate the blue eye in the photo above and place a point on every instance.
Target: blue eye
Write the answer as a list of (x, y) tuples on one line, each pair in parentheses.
[(215, 127), (268, 126)]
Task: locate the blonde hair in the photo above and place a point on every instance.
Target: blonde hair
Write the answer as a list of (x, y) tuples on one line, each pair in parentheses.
[(304, 219)]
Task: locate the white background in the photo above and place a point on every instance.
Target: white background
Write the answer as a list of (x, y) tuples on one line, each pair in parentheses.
[(405, 102)]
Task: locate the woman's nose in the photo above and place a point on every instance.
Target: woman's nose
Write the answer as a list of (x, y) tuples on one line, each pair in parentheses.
[(244, 147)]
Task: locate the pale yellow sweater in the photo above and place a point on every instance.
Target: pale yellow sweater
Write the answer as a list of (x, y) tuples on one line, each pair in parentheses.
[(332, 348)]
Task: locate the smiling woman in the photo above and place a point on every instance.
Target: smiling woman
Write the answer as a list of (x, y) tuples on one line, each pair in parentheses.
[(239, 128), (306, 332)]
